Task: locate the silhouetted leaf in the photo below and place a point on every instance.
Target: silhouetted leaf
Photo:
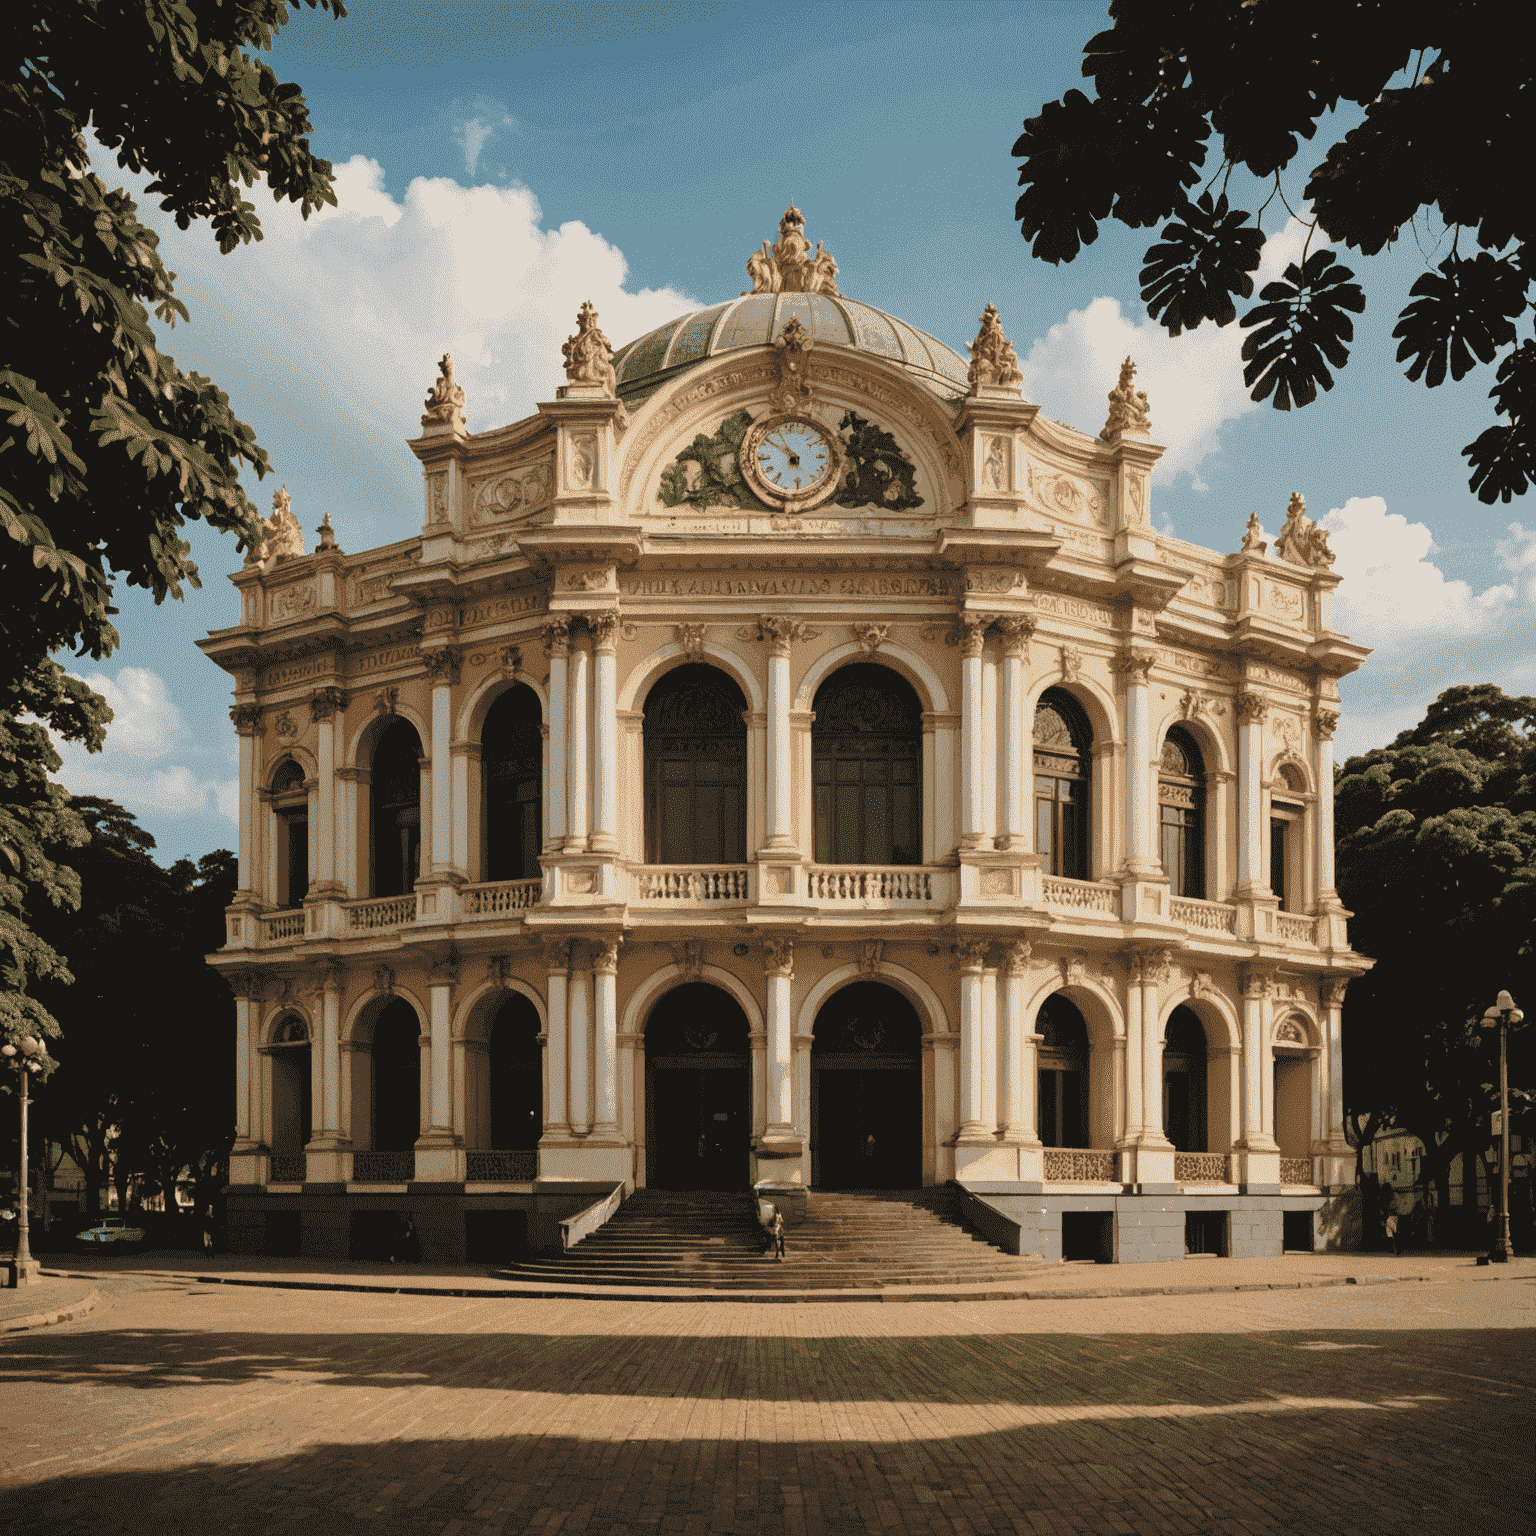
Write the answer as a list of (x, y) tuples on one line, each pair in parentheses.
[(1461, 315), (1503, 458), (1201, 263), (1302, 328)]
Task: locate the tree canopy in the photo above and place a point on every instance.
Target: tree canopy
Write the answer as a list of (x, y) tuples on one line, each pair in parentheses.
[(1437, 861), (107, 448), (1448, 108)]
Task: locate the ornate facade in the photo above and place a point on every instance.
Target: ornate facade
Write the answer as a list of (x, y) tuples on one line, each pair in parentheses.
[(788, 755)]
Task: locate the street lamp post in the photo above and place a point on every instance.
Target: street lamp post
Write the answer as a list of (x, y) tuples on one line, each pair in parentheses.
[(27, 1059), (1503, 1016)]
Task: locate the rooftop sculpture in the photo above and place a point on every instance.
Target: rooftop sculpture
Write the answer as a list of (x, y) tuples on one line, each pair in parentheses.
[(787, 265), (1301, 541), (1128, 409), (993, 360), (445, 400)]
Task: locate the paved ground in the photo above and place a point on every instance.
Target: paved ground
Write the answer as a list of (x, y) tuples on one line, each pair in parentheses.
[(44, 1301), (182, 1407)]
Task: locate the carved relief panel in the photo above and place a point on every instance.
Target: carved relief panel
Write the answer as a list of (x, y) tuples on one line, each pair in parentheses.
[(519, 492)]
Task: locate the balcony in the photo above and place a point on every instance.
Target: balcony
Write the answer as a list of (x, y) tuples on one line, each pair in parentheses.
[(500, 898), (383, 1167), (501, 1167), (1071, 1165), (689, 885), (1088, 898), (382, 912), (1296, 930), (1203, 916), (283, 927), (1200, 1168), (855, 885)]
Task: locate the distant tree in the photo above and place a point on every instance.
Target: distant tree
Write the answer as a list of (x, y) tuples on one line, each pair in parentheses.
[(1437, 861), (1263, 75), (145, 1061)]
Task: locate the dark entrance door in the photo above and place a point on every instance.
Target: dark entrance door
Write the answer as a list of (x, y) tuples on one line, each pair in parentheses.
[(698, 1091), (867, 1091)]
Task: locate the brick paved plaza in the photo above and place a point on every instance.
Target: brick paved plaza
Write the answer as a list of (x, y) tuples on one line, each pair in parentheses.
[(181, 1407)]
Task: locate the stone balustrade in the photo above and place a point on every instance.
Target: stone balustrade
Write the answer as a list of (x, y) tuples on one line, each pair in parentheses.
[(288, 1168), (1200, 1167), (1294, 929), (501, 1167), (901, 885), (283, 927), (1086, 896), (1296, 1170), (1073, 1165), (499, 898), (381, 912), (383, 1167), (689, 884), (1206, 916)]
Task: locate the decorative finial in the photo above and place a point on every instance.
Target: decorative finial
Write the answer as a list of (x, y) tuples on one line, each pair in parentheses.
[(787, 265), (588, 357), (793, 345), (327, 533), (1301, 541), (445, 400), (1128, 411), (994, 363), (1252, 543)]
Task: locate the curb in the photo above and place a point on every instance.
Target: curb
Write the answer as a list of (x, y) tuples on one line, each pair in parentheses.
[(66, 1314), (828, 1297)]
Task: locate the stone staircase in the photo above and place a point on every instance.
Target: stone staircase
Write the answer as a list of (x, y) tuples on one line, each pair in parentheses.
[(849, 1241)]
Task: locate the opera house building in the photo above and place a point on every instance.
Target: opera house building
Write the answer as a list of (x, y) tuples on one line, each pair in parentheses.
[(788, 758)]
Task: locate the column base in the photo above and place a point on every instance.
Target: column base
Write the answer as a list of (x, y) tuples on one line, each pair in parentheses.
[(15, 1273), (1153, 1163), (975, 1160), (1257, 1169)]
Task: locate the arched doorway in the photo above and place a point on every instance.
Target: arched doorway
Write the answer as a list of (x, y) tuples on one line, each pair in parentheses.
[(1063, 742), (516, 1077), (695, 768), (396, 1078), (867, 1091), (1064, 1073), (867, 766), (291, 1088), (1184, 1081), (512, 776), (698, 1091)]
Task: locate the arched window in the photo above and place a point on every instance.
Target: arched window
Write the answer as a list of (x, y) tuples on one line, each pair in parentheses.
[(1063, 1061), (1184, 1074), (516, 1077), (396, 1078), (395, 793), (290, 807), (1063, 742), (1181, 814), (512, 772), (867, 758), (1286, 818), (695, 769)]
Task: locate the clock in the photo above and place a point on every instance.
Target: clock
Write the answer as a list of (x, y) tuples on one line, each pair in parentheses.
[(790, 461)]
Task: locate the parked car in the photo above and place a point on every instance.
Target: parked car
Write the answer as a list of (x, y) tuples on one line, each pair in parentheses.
[(110, 1231)]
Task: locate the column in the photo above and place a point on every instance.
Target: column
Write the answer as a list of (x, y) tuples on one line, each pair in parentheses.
[(443, 670), (247, 721), (605, 733), (1256, 991), (973, 640), (1139, 852), (973, 959), (779, 633), (1155, 974), (466, 771), (1250, 795), (989, 1011), (1325, 722), (247, 989), (557, 645), (324, 703), (990, 752), (444, 977), (1016, 631), (579, 1043), (605, 999), (1017, 1055), (1136, 972), (329, 1044), (779, 974), (1330, 1063), (557, 968), (579, 743)]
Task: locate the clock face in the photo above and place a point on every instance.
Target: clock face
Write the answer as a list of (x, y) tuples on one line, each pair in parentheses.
[(791, 459)]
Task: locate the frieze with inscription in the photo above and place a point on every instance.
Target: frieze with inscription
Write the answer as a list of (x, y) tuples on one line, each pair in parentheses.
[(1074, 608)]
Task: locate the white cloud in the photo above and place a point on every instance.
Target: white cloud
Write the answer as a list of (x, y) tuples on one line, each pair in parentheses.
[(1428, 631), (473, 136), (357, 304), (1194, 382), (146, 729)]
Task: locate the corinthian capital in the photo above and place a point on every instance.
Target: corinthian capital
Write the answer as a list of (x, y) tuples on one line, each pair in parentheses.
[(1250, 707), (779, 957), (1327, 722), (557, 636), (442, 665), (324, 702), (778, 632), (246, 718), (973, 632), (1135, 665), (1016, 628)]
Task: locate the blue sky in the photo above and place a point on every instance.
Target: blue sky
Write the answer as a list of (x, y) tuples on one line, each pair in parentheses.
[(501, 163)]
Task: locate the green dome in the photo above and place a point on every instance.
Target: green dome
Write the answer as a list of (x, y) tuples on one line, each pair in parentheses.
[(756, 319)]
